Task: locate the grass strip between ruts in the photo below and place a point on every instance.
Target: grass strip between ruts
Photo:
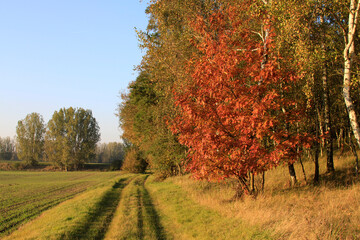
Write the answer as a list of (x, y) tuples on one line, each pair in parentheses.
[(135, 217)]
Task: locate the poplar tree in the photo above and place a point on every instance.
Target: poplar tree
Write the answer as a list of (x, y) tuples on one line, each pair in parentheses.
[(30, 138), (71, 138)]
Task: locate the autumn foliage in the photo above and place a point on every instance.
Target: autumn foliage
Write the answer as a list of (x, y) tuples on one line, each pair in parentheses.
[(231, 89), (235, 115)]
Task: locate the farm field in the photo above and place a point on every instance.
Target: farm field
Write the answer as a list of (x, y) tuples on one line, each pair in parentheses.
[(24, 195), (15, 165)]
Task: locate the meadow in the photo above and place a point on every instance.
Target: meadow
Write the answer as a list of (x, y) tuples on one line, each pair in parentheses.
[(118, 205)]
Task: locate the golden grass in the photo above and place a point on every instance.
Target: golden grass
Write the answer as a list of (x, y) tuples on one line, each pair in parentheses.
[(330, 210)]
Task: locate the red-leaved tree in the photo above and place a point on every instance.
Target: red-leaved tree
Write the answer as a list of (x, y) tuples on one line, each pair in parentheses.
[(236, 114)]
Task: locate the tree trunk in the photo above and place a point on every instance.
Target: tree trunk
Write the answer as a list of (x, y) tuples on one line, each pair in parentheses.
[(340, 142), (316, 160), (353, 149), (292, 174), (252, 183), (303, 169), (321, 129), (349, 54), (179, 169), (327, 120), (242, 188), (316, 155)]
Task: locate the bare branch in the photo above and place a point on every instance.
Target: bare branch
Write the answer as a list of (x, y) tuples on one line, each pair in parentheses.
[(252, 50), (261, 35)]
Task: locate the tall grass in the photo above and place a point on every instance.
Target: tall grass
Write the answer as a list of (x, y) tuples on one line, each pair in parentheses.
[(329, 210)]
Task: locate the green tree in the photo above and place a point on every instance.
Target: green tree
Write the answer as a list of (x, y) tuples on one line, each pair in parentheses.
[(71, 138), (7, 148), (143, 114), (30, 138)]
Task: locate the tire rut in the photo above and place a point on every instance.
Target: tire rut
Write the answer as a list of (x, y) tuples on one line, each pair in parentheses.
[(147, 215), (136, 216), (152, 213), (100, 217)]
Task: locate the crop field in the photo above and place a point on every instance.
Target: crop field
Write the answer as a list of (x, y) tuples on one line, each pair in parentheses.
[(24, 195)]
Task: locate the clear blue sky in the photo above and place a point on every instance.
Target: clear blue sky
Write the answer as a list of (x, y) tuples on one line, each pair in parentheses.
[(78, 53)]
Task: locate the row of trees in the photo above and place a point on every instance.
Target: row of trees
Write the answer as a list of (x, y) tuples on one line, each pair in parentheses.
[(234, 88), (110, 152), (68, 140), (7, 149)]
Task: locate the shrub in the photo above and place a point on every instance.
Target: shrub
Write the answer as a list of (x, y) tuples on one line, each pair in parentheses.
[(116, 165), (134, 161)]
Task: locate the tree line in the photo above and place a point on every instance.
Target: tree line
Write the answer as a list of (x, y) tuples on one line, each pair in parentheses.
[(68, 140), (7, 149), (231, 89)]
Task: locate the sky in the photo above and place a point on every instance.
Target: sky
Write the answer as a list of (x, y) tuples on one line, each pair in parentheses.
[(68, 53)]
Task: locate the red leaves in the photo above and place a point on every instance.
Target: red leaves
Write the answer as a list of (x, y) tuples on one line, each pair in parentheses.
[(232, 111)]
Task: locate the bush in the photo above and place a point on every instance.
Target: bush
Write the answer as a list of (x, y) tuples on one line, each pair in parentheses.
[(134, 161), (19, 166), (115, 165)]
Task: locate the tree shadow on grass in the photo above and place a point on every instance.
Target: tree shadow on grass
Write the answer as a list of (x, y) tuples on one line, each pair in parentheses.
[(140, 223), (99, 218), (153, 215), (344, 177)]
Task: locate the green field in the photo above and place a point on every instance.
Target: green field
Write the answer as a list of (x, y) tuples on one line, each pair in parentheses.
[(24, 195), (16, 165)]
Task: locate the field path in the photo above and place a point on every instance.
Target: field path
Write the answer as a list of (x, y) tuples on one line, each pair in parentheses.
[(99, 218), (152, 213), (136, 217)]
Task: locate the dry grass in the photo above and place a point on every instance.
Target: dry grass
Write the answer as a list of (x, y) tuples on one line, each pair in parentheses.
[(330, 210)]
